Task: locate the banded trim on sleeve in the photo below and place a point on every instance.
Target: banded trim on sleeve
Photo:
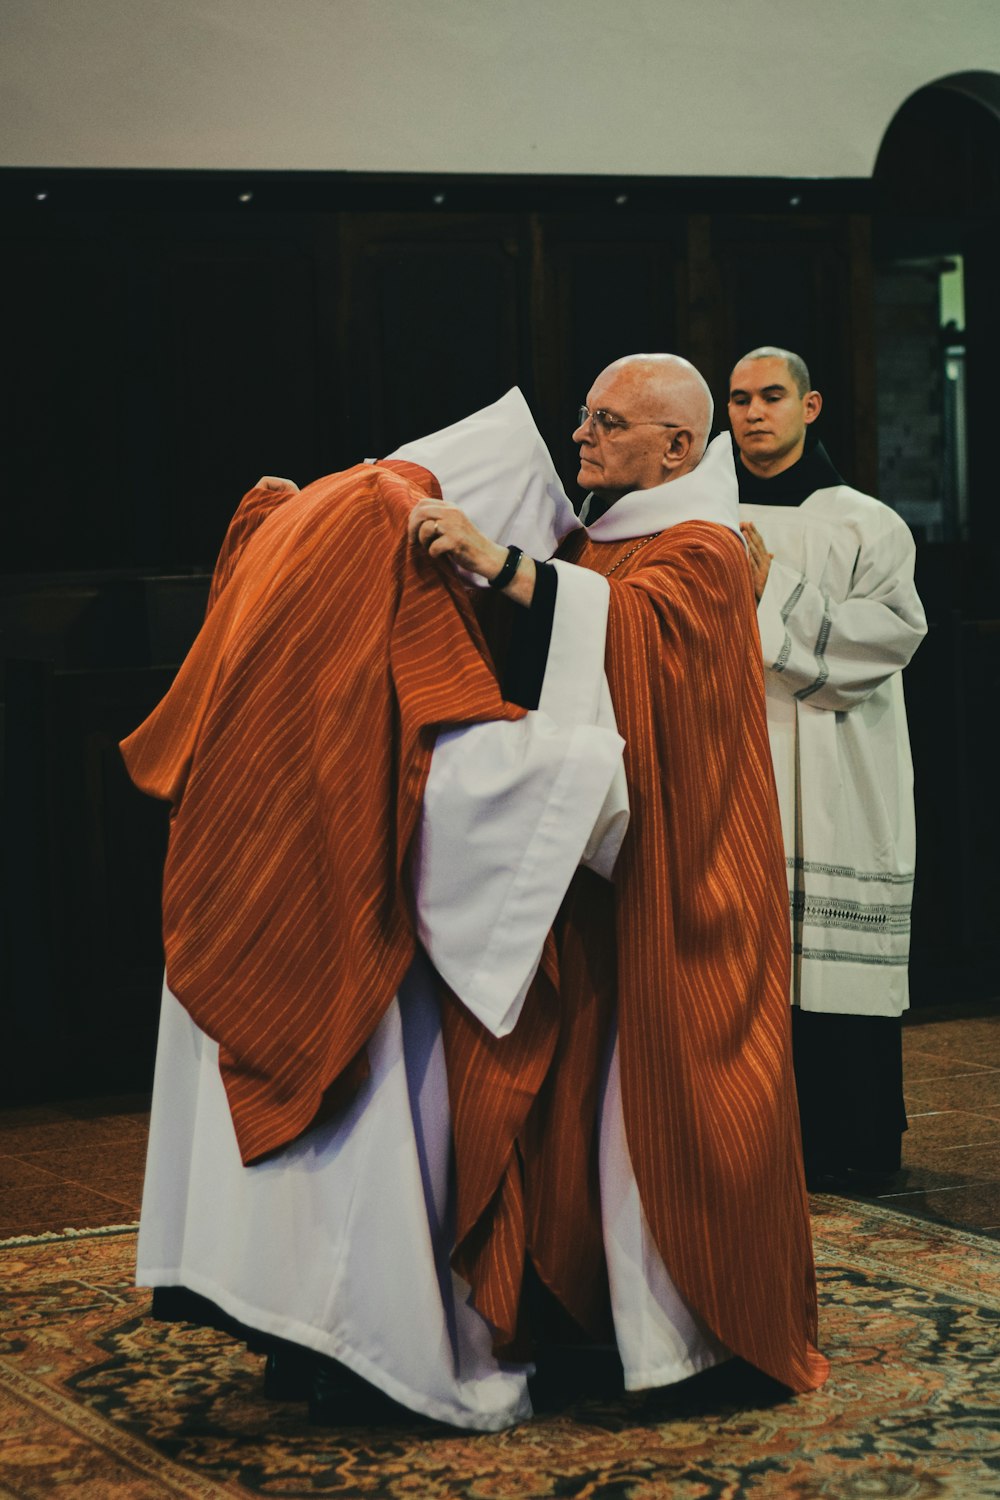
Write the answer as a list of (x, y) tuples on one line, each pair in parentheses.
[(856, 916), (819, 651), (792, 599), (817, 867), (836, 955)]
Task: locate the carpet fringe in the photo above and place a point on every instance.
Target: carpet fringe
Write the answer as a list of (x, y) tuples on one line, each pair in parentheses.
[(53, 1236)]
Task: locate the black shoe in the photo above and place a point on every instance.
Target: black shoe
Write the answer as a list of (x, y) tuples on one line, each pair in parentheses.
[(825, 1177), (731, 1385), (871, 1180), (734, 1382), (288, 1374), (565, 1373), (339, 1398)]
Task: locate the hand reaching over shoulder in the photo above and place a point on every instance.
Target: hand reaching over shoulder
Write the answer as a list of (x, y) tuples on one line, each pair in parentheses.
[(275, 482), (445, 531)]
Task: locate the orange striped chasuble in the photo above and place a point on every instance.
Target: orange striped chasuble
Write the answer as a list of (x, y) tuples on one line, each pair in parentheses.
[(294, 745), (690, 945)]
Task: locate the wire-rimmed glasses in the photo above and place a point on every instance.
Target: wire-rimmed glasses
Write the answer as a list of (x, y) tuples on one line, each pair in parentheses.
[(606, 421)]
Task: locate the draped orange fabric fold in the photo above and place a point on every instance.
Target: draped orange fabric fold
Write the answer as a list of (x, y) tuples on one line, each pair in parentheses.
[(698, 928), (524, 1122), (285, 919), (287, 928)]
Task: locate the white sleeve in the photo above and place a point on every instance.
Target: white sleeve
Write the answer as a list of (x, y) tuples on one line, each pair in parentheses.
[(835, 654), (575, 689), (511, 810), (508, 812)]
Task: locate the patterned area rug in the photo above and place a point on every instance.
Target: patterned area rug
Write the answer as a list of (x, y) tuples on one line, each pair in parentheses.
[(97, 1401)]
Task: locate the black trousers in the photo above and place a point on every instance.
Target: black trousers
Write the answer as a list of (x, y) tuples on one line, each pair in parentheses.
[(849, 1074)]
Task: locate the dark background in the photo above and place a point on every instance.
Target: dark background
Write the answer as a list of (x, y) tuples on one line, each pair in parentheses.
[(171, 336)]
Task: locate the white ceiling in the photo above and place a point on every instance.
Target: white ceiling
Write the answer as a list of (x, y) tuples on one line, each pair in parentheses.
[(659, 87)]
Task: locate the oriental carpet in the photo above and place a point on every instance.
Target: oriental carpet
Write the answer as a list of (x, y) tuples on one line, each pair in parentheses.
[(97, 1401)]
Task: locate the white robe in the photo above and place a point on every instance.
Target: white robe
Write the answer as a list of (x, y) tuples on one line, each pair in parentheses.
[(839, 618), (340, 1243)]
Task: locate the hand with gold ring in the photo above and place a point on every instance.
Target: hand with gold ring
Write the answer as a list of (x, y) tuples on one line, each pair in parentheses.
[(445, 531)]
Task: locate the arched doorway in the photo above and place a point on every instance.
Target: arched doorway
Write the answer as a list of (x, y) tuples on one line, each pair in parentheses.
[(937, 293), (937, 250)]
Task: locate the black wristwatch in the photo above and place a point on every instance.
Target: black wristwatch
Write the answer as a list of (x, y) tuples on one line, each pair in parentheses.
[(510, 567)]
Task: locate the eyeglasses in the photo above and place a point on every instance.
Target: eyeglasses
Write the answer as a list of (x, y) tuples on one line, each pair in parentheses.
[(606, 421)]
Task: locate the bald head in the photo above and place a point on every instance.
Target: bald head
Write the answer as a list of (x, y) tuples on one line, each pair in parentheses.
[(658, 417), (673, 386), (794, 363)]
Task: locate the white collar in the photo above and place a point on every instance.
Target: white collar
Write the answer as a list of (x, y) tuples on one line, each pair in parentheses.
[(708, 493)]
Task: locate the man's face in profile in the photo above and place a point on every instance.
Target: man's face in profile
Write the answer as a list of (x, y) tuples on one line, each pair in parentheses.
[(766, 412), (622, 442)]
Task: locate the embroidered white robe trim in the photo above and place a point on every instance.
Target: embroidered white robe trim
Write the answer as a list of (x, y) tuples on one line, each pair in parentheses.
[(839, 618)]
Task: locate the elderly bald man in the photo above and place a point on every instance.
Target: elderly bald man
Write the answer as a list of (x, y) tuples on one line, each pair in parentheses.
[(617, 454), (607, 1148), (670, 1071)]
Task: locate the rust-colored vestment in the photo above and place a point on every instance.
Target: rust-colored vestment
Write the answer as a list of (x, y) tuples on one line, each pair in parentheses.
[(690, 946), (294, 746)]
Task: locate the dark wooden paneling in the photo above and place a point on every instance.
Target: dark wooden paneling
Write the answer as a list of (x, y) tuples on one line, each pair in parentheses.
[(65, 402), (981, 244), (155, 368), (84, 852), (170, 359), (163, 352), (952, 689), (608, 287), (793, 281), (435, 321), (233, 379)]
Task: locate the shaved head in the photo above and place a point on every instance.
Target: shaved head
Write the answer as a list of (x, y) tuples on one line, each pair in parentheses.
[(795, 364), (647, 420), (675, 387)]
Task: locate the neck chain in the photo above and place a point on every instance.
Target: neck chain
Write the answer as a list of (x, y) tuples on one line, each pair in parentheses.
[(631, 552)]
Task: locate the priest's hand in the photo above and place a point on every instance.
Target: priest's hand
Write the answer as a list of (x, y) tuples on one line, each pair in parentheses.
[(445, 531), (758, 556), (275, 482)]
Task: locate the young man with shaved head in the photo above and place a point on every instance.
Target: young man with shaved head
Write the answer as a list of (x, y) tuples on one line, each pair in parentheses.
[(576, 1103), (839, 618)]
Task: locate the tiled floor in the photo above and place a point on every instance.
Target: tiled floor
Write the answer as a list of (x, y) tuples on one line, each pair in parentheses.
[(951, 1152), (79, 1165)]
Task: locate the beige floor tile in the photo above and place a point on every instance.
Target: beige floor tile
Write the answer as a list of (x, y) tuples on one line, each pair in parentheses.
[(975, 1093)]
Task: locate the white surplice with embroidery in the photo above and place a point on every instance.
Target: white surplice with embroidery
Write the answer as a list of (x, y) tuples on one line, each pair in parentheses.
[(839, 619)]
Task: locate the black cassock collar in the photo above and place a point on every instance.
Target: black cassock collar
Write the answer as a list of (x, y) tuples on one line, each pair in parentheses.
[(814, 471)]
